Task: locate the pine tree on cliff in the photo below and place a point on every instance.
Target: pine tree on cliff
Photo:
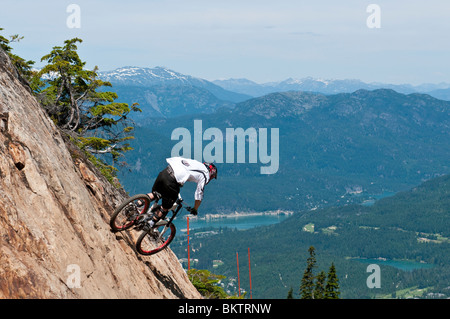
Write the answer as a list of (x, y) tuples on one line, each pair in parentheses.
[(23, 66), (74, 99)]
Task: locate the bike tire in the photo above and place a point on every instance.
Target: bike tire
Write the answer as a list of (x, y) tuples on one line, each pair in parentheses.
[(147, 245), (116, 225)]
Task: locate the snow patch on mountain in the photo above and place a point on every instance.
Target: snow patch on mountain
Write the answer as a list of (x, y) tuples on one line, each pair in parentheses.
[(145, 76)]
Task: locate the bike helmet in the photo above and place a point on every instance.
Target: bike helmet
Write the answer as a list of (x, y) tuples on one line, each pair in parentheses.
[(212, 170)]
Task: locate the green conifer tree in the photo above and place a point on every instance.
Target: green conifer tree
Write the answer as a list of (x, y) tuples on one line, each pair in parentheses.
[(319, 289), (73, 97), (332, 286), (290, 294), (307, 284), (23, 66)]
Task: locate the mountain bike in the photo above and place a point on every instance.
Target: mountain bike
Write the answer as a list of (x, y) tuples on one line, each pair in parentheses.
[(136, 211)]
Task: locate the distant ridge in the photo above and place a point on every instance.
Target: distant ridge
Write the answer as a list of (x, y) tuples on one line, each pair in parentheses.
[(328, 86)]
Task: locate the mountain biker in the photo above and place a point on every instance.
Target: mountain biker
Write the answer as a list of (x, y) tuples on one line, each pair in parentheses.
[(178, 171)]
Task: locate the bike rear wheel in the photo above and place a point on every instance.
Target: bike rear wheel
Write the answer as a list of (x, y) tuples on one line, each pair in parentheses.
[(156, 239), (126, 214)]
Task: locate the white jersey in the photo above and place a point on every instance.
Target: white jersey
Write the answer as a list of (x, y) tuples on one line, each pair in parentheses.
[(189, 170)]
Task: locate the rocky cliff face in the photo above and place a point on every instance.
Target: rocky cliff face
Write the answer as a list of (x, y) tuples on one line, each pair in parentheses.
[(55, 240)]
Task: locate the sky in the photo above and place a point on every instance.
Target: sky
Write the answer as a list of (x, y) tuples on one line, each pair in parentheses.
[(400, 41)]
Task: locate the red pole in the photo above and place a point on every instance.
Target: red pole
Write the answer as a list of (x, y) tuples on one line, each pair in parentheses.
[(250, 274), (239, 280), (189, 250)]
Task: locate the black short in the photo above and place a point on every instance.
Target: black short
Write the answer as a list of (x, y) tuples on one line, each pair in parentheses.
[(167, 186)]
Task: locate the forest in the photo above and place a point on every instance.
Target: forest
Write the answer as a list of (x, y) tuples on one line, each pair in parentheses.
[(409, 226)]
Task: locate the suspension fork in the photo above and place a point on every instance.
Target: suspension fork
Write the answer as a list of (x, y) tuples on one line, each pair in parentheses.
[(179, 206)]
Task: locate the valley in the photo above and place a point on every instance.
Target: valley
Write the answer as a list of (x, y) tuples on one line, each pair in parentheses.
[(389, 234)]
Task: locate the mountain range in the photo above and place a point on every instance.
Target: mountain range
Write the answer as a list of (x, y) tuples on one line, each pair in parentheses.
[(331, 147), (166, 93), (238, 90), (328, 86), (162, 92)]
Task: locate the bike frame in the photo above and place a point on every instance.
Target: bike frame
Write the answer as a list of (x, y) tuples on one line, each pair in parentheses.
[(174, 210)]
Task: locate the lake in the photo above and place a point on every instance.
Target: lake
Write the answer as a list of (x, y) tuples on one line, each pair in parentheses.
[(405, 265), (374, 198), (239, 222)]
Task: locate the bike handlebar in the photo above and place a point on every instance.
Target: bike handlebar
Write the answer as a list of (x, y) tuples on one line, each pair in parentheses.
[(191, 210)]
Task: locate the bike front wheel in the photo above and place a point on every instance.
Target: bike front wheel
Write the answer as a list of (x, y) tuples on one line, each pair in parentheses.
[(126, 214), (156, 239)]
